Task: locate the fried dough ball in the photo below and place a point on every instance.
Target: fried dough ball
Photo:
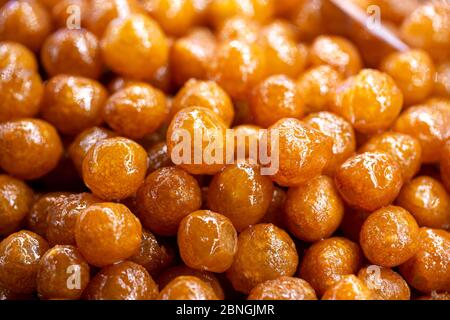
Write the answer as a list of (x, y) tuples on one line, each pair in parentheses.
[(238, 66), (30, 148), (165, 198), (21, 91), (405, 149), (206, 94), (190, 56), (208, 277), (389, 236), (429, 269), (16, 56), (196, 140), (314, 210), (141, 60), (413, 72), (72, 51), (283, 288), (239, 28), (136, 111), (428, 28), (123, 281), (328, 261), (337, 52), (174, 17), (275, 98), (442, 80), (73, 104), (302, 151), (386, 283), (16, 199), (265, 252), (20, 253), (349, 287), (427, 201), (26, 22), (369, 181), (62, 273), (187, 288), (241, 193), (221, 10), (430, 124), (106, 233), (370, 101), (284, 55), (158, 157), (114, 168), (340, 131), (317, 86), (207, 241)]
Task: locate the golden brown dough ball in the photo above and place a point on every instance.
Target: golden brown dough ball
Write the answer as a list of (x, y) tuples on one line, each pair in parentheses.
[(16, 199), (238, 66), (191, 55), (208, 277), (241, 193), (302, 151), (284, 55), (370, 101), (429, 269), (107, 233), (63, 273), (221, 10), (427, 200), (196, 140), (430, 124), (337, 52), (317, 86), (405, 149), (389, 236), (275, 98), (141, 60), (283, 288), (73, 104), (349, 287), (369, 181), (114, 168), (265, 252), (314, 210), (187, 288), (174, 17), (26, 22), (386, 283), (136, 111), (14, 55), (442, 80), (413, 72), (207, 241), (340, 131), (21, 252), (30, 148), (72, 51), (165, 198), (21, 92), (123, 281), (327, 261), (428, 28), (208, 94)]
